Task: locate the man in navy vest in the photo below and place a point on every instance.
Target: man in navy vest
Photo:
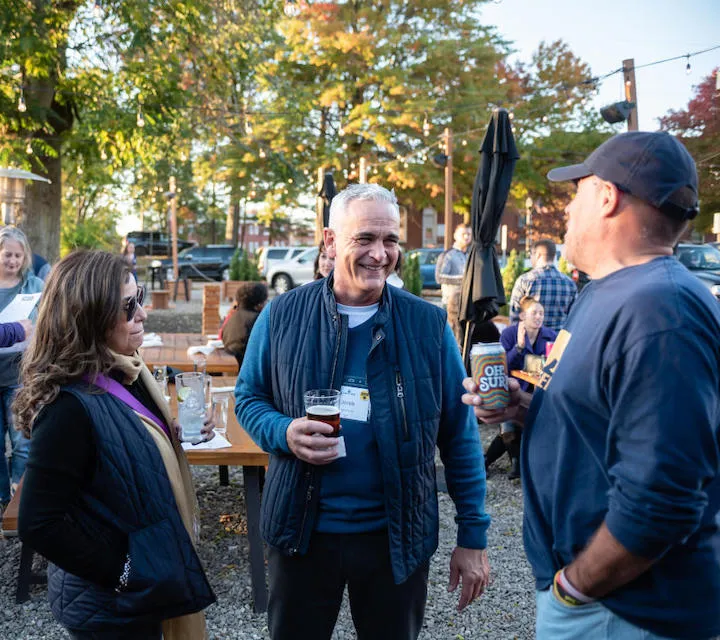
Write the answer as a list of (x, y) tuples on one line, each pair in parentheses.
[(621, 448), (368, 520)]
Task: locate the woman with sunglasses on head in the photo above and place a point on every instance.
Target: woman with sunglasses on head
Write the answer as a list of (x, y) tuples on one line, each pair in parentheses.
[(16, 278), (107, 497)]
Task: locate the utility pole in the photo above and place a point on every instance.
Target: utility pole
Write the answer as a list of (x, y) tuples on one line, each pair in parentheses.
[(363, 171), (319, 207), (173, 227), (631, 92), (448, 189)]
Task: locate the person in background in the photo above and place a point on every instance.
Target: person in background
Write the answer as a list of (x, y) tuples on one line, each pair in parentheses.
[(250, 298), (130, 258), (324, 264), (621, 458), (107, 496), (555, 291), (15, 278), (527, 337), (449, 273), (40, 266)]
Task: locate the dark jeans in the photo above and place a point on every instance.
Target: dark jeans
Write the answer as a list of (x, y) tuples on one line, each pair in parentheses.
[(151, 631), (306, 591)]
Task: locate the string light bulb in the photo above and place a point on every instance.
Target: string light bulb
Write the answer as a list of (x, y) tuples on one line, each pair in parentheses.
[(341, 131), (103, 155), (291, 9), (97, 10), (262, 153), (688, 69), (248, 127), (22, 107), (464, 143), (140, 118), (28, 148), (426, 127)]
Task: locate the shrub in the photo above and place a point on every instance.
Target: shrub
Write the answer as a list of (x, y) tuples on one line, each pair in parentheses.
[(411, 274)]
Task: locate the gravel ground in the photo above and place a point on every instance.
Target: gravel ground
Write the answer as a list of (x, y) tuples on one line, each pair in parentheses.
[(505, 611)]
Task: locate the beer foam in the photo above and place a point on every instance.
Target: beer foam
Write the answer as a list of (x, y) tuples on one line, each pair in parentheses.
[(324, 410)]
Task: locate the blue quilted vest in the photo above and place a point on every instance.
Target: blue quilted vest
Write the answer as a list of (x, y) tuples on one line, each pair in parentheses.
[(130, 493), (308, 338)]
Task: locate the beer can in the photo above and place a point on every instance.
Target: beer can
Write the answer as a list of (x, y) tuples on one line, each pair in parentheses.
[(488, 365)]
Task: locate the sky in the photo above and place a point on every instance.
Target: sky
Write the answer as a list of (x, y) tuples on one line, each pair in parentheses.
[(603, 34)]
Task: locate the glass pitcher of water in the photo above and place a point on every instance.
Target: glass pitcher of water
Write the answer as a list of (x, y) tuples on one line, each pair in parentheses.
[(190, 389)]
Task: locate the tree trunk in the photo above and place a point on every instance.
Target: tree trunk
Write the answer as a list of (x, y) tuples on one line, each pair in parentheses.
[(41, 216)]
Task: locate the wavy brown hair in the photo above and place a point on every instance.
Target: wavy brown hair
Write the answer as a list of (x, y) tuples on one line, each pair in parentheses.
[(80, 305)]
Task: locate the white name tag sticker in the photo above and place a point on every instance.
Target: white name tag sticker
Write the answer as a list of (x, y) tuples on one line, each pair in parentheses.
[(354, 403)]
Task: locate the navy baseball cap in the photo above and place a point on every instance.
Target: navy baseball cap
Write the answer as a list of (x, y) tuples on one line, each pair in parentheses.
[(652, 166)]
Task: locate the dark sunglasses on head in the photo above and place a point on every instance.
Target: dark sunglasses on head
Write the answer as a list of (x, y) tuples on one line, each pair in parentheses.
[(131, 304)]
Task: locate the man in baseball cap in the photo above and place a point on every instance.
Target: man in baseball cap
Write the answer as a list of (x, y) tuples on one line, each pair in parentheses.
[(621, 452)]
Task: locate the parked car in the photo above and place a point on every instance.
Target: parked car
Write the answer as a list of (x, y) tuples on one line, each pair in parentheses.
[(268, 257), (288, 274), (428, 259), (154, 243), (211, 261), (703, 260)]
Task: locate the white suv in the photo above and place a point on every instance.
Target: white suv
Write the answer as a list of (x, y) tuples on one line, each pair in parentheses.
[(288, 274), (270, 256)]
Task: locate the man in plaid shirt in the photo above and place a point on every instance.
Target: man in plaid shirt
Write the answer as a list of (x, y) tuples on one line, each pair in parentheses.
[(555, 291)]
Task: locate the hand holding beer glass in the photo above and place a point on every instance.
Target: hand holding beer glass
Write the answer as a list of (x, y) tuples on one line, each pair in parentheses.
[(316, 437)]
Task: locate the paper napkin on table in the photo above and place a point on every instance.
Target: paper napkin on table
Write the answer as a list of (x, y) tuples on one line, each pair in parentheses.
[(152, 340), (218, 442), (216, 344), (222, 389)]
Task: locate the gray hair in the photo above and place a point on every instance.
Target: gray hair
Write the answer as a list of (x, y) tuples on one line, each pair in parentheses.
[(16, 235), (369, 192)]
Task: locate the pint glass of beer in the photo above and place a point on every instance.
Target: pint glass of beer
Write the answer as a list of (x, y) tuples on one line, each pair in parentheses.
[(323, 405)]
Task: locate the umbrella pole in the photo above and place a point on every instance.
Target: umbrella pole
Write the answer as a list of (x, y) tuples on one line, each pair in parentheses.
[(466, 342)]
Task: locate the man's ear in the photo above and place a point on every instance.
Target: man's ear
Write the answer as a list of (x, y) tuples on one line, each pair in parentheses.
[(610, 202), (330, 240)]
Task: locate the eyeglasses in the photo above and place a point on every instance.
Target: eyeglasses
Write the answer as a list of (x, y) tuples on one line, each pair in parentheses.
[(131, 304)]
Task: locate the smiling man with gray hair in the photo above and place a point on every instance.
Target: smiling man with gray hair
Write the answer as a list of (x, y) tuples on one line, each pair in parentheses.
[(368, 520)]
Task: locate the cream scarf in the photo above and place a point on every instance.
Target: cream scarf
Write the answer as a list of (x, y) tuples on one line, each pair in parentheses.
[(190, 627)]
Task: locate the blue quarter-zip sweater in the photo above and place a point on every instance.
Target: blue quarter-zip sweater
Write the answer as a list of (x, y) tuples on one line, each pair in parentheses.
[(414, 374)]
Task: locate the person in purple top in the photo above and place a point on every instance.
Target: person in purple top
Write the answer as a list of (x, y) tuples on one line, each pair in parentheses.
[(12, 332), (527, 337)]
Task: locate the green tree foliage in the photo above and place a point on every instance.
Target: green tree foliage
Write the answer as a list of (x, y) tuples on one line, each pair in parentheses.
[(411, 274), (243, 266), (237, 101), (698, 127), (234, 267), (564, 266), (512, 271)]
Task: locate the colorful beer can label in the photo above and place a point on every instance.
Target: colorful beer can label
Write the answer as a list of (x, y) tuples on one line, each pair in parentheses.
[(489, 371)]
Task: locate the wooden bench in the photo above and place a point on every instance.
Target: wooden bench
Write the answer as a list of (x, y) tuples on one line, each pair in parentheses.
[(10, 529)]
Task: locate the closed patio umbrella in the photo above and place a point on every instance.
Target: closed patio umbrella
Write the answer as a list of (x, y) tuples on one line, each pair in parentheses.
[(482, 289)]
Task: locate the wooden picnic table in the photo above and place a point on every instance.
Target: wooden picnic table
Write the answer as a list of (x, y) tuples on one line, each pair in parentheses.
[(527, 377), (173, 352), (253, 460)]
